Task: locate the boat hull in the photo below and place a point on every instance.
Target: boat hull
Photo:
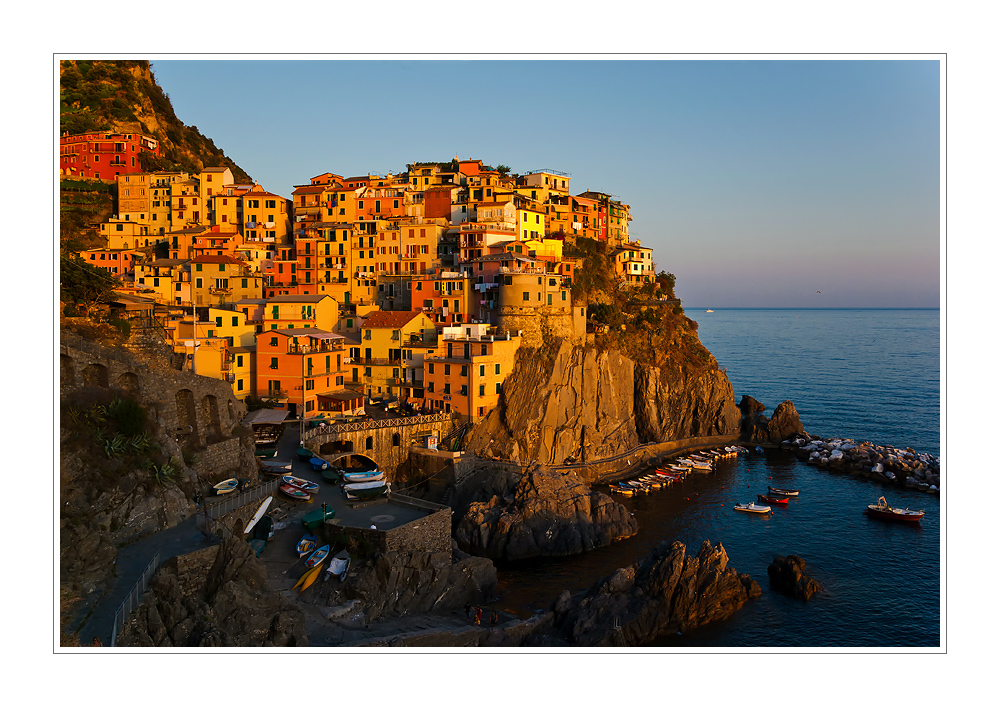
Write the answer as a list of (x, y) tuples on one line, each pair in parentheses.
[(895, 515)]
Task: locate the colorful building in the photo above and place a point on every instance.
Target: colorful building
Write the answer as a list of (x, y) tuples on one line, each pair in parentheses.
[(103, 155), (380, 356)]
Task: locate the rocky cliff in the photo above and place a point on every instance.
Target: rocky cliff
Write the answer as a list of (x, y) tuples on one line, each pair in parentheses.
[(581, 403), (548, 513)]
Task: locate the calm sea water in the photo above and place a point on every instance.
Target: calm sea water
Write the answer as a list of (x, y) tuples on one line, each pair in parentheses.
[(865, 374)]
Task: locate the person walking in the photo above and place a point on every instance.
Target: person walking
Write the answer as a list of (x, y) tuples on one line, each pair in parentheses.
[(493, 618), (479, 615), (468, 610)]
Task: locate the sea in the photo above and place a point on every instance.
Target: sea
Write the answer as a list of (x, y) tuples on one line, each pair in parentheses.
[(863, 374)]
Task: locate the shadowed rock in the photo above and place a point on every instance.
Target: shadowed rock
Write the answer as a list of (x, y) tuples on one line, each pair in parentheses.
[(787, 576)]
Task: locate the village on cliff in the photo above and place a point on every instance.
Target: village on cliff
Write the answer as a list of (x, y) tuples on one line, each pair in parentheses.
[(416, 288)]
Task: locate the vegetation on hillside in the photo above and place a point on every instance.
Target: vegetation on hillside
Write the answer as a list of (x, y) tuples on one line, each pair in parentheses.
[(124, 96), (646, 323)]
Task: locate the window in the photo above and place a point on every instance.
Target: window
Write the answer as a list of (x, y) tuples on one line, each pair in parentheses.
[(239, 361), (430, 387), (239, 384), (430, 368), (525, 295), (496, 369), (274, 341), (498, 389), (447, 388), (482, 372), (447, 369), (482, 391), (274, 362)]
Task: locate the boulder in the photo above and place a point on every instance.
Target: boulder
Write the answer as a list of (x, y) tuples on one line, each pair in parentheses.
[(666, 592), (784, 423), (549, 513), (787, 576), (750, 406)]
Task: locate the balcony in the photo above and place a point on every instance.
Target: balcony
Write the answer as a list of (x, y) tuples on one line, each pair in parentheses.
[(276, 393)]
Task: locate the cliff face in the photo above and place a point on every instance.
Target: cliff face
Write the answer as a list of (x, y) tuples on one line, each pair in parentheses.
[(587, 404)]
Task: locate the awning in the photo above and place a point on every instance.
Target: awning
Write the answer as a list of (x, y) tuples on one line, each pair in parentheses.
[(265, 416), (341, 395), (323, 335)]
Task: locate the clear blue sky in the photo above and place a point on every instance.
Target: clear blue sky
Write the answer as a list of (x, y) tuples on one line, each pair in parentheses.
[(758, 183)]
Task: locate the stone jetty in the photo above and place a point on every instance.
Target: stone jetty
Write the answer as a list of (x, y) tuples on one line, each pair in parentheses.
[(890, 465)]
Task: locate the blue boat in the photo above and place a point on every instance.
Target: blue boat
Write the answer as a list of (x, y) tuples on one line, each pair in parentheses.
[(307, 544), (318, 463)]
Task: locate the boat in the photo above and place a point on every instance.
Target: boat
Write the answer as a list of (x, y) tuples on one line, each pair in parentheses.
[(357, 477), (307, 579), (365, 490), (774, 491), (759, 450), (296, 493), (319, 463), (884, 511), (318, 556), (339, 566), (275, 466), (304, 454), (772, 499), (709, 311), (306, 545), (266, 453), (752, 508), (331, 475), (226, 486), (307, 486), (258, 515), (623, 490), (314, 519)]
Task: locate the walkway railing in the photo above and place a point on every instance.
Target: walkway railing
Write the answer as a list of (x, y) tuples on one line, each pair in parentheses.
[(93, 348), (338, 427), (134, 598)]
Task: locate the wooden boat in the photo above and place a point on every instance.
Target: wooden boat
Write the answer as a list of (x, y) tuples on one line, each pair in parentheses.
[(359, 477), (331, 475), (265, 453), (304, 454), (623, 490), (318, 556), (307, 486), (306, 545), (340, 564), (226, 486), (258, 515), (275, 466), (307, 579), (774, 491), (772, 499), (296, 493), (366, 490), (884, 511), (752, 508), (318, 463)]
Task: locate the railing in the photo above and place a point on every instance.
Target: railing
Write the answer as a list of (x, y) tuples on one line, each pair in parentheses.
[(340, 427), (228, 504), (95, 349), (134, 597)]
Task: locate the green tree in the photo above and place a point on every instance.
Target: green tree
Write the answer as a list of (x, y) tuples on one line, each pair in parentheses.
[(81, 282)]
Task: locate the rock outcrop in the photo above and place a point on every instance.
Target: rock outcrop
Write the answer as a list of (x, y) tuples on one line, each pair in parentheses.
[(787, 575), (548, 513), (667, 592), (878, 462), (232, 607), (756, 428), (401, 583), (586, 404)]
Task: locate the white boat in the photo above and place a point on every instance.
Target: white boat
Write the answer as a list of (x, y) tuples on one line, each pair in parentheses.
[(226, 486), (365, 490), (339, 565), (357, 477), (751, 508), (258, 515), (709, 311)]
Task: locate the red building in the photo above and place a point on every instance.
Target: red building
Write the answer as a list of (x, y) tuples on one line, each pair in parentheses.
[(103, 155)]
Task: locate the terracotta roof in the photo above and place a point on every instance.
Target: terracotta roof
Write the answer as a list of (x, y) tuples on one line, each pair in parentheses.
[(215, 169), (388, 319), (298, 298)]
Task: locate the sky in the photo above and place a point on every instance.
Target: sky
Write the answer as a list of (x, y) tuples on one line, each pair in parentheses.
[(758, 183)]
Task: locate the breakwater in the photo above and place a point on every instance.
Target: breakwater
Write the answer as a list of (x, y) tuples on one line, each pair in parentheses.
[(878, 462)]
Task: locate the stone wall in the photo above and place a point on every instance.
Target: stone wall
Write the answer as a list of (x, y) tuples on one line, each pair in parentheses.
[(192, 569), (230, 457), (539, 324), (431, 533)]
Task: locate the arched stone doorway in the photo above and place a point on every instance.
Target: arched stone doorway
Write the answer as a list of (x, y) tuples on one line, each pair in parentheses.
[(187, 419), (129, 382), (67, 373), (96, 375), (210, 415)]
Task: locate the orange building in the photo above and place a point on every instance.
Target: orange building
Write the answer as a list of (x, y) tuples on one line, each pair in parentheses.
[(303, 371), (448, 298)]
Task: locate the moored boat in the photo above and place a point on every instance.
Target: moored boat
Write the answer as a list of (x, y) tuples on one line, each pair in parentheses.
[(226, 486), (318, 555), (365, 490), (884, 511), (319, 463), (358, 477), (275, 466), (304, 454), (340, 564), (306, 544), (772, 499), (774, 491), (307, 486), (331, 475), (293, 492), (752, 508)]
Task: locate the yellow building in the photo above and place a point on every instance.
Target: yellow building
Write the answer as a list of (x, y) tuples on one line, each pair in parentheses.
[(530, 223), (213, 180), (242, 370), (134, 197), (266, 217), (232, 324), (161, 184), (217, 279), (467, 372), (634, 263), (384, 336), (165, 279), (120, 234), (187, 208)]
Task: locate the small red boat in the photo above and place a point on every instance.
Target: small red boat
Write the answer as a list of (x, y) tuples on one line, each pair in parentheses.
[(292, 492), (883, 510), (769, 499)]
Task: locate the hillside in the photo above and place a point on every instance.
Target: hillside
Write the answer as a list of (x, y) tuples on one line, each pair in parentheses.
[(123, 96)]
